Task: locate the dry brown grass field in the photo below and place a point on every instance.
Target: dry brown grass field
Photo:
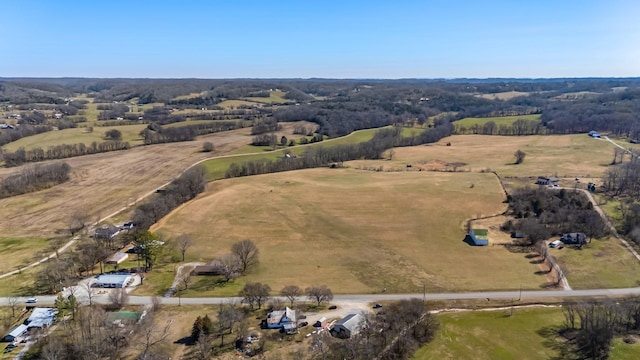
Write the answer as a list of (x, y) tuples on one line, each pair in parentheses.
[(503, 95), (355, 231), (105, 183), (566, 156)]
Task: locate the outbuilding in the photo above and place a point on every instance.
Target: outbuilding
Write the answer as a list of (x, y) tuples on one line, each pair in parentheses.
[(348, 326), (17, 332), (117, 258), (41, 317), (480, 237), (547, 180), (113, 281)]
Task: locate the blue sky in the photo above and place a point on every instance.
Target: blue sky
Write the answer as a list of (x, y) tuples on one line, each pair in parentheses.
[(330, 39)]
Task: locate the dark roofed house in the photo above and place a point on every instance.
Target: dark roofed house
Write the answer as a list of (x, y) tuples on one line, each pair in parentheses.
[(212, 270), (547, 180), (574, 238), (348, 326), (106, 232)]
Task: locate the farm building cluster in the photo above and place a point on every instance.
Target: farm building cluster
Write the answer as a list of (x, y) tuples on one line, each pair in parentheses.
[(40, 318)]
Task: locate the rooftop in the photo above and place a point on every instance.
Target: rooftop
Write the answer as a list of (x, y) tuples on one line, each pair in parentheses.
[(480, 233)]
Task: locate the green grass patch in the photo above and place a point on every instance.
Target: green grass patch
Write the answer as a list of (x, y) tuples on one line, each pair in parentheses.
[(499, 120), (130, 133), (19, 251), (19, 284), (493, 335), (527, 334), (275, 97), (217, 167), (604, 263)]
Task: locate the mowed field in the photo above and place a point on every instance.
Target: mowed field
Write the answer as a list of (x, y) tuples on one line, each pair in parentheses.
[(528, 334), (355, 231)]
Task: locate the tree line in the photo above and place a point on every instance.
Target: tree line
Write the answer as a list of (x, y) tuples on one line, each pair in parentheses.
[(34, 178), (10, 135), (622, 181), (36, 154), (321, 156), (518, 128), (182, 189)]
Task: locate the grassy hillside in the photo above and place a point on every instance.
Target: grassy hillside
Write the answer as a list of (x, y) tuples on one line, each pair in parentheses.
[(356, 231)]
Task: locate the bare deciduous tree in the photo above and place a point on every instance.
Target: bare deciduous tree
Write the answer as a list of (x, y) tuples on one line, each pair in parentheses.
[(291, 292), (520, 155), (319, 294), (118, 297), (152, 335), (255, 294), (247, 253), (13, 304), (184, 242), (228, 265)]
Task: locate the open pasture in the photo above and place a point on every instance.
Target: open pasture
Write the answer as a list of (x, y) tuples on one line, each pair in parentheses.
[(355, 231), (499, 120), (130, 133), (566, 156), (102, 184), (275, 97), (506, 95)]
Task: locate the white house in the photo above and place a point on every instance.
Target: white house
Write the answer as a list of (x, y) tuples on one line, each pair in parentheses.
[(113, 281)]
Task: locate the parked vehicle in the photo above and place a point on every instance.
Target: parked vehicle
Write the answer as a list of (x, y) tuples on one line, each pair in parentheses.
[(377, 306)]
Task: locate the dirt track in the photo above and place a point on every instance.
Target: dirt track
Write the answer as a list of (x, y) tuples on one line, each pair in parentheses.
[(104, 183)]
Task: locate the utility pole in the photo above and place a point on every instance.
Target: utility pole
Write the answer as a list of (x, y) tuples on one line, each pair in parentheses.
[(424, 292), (520, 296)]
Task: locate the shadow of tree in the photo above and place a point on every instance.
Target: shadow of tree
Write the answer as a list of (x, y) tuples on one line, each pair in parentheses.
[(553, 339)]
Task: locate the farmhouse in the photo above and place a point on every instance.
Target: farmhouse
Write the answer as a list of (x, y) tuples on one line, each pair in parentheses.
[(106, 232), (348, 326), (17, 332), (282, 319), (212, 270), (113, 281), (480, 237), (574, 238), (41, 317), (544, 180)]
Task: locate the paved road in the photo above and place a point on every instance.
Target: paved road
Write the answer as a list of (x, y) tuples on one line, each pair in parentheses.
[(368, 298)]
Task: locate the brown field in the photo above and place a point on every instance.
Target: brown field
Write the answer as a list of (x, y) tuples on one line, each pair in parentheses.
[(503, 95), (356, 231), (102, 184), (565, 156)]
